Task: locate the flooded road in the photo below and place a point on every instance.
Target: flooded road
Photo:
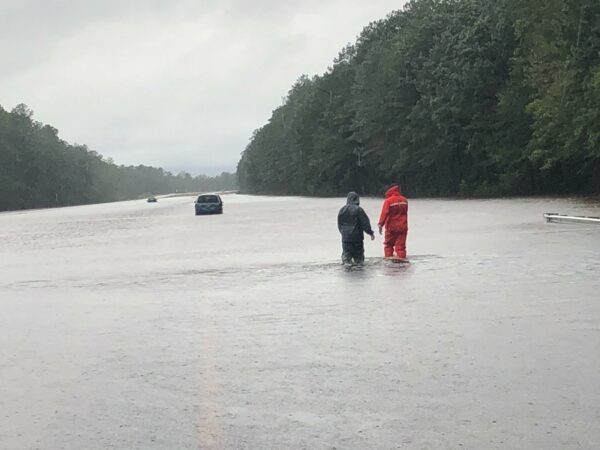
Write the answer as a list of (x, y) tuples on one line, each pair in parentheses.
[(141, 326)]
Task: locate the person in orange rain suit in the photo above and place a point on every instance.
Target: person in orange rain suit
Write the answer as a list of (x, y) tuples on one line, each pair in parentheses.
[(394, 216)]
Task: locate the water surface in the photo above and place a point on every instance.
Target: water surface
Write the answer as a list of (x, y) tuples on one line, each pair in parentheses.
[(142, 326)]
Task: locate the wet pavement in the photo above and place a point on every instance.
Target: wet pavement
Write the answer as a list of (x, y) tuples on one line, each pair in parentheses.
[(141, 326)]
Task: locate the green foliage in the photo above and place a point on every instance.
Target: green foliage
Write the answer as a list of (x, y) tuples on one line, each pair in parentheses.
[(447, 97), (38, 169)]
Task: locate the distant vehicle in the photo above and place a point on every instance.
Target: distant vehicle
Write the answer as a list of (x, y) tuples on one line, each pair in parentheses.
[(152, 199), (208, 204)]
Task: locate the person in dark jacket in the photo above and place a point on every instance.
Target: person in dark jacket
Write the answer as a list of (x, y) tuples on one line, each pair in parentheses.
[(352, 223)]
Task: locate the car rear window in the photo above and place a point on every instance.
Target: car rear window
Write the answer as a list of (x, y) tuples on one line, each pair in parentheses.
[(208, 199)]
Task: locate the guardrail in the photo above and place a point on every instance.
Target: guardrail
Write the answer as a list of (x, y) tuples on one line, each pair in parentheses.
[(555, 217)]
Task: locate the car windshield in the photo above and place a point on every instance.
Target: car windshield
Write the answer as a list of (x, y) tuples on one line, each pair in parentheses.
[(208, 199)]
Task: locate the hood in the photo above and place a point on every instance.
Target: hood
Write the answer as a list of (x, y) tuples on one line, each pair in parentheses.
[(352, 199), (393, 190)]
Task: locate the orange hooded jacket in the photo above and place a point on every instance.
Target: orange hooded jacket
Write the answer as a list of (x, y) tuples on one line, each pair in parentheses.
[(394, 213)]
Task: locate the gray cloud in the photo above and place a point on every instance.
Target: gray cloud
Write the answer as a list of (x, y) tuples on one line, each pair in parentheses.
[(181, 84)]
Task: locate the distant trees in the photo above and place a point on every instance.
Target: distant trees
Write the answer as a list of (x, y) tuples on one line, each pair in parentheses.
[(38, 169), (448, 97)]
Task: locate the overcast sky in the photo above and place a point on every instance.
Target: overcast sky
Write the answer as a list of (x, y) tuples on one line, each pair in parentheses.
[(179, 84)]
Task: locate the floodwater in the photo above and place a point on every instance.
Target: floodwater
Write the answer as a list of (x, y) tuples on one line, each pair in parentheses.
[(141, 326)]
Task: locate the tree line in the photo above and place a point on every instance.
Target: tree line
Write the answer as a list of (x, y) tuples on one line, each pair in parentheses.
[(38, 170), (446, 97)]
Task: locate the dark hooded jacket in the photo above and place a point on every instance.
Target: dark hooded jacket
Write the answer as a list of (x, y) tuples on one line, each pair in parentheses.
[(353, 221)]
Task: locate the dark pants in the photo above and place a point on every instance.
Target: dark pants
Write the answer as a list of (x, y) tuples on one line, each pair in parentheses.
[(353, 251)]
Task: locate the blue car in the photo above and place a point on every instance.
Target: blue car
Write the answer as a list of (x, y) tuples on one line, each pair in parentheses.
[(209, 204)]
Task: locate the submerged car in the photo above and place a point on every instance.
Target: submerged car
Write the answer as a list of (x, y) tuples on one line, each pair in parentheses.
[(209, 204)]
